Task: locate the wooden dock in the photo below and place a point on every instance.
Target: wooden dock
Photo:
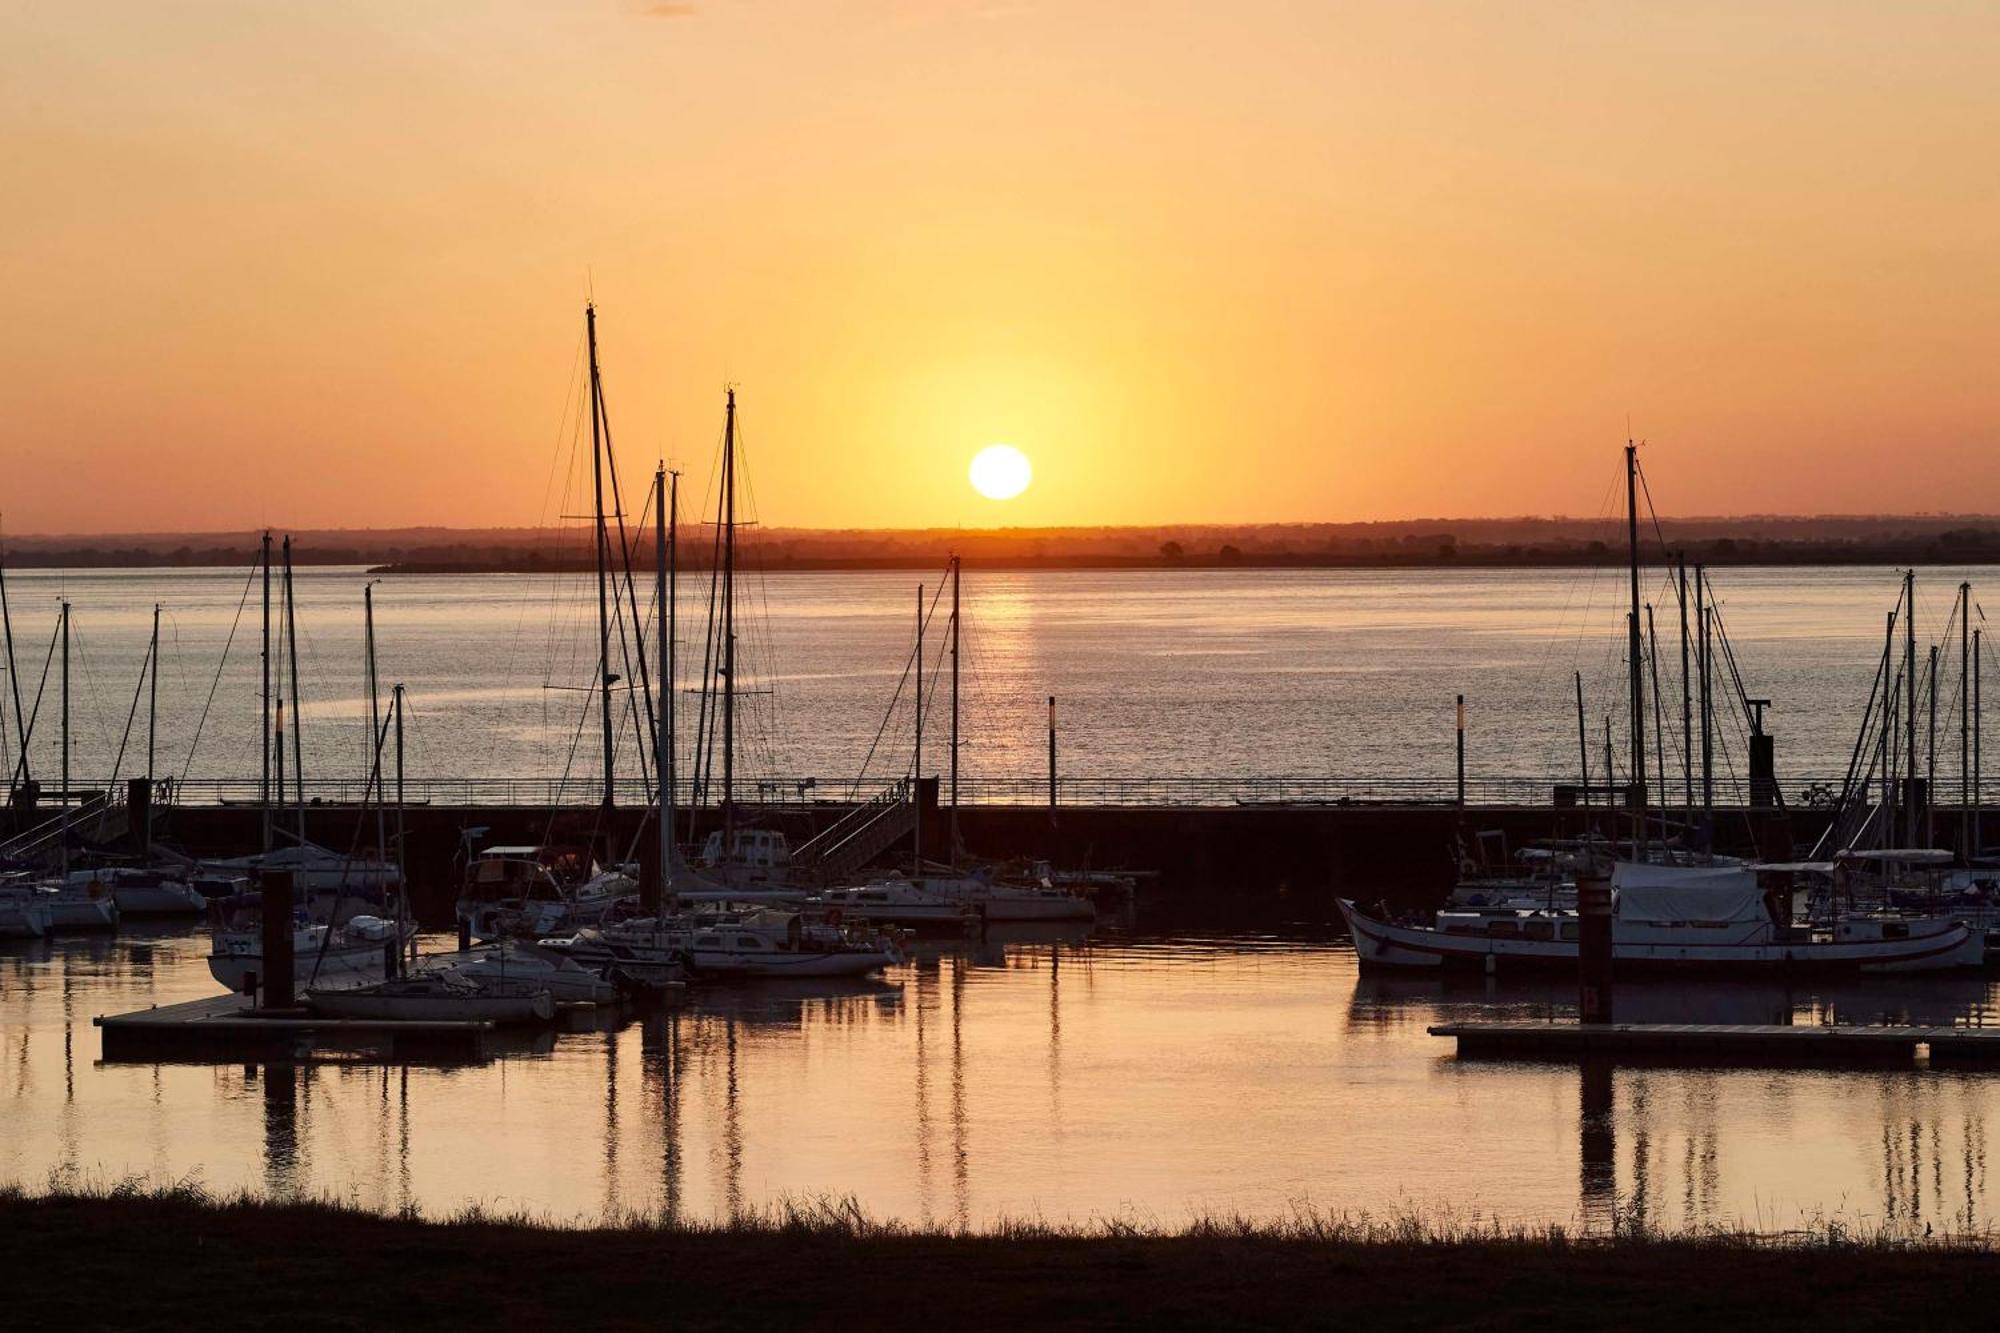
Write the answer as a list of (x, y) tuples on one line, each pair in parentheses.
[(1717, 1043), (229, 1028)]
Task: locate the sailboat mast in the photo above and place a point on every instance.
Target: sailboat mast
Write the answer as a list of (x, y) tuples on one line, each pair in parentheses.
[(1910, 704), (153, 694), (729, 627), (65, 737), (13, 675), (1978, 725), (663, 761), (1582, 746), (1659, 722), (604, 677), (402, 871), (1706, 704), (1632, 652), (918, 835), (1687, 703), (1964, 715), (264, 722), (374, 716), (292, 657), (954, 709)]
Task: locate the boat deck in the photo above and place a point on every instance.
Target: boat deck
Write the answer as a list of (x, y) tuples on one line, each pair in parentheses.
[(1718, 1043)]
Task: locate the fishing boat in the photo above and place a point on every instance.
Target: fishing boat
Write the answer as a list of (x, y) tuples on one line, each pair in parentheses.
[(436, 997), (1724, 922)]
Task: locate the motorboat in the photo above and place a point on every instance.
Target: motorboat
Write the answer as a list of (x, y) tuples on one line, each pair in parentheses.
[(513, 961), (530, 892), (24, 915), (996, 899), (1724, 921), (350, 953), (139, 890), (78, 907), (774, 943), (436, 997), (896, 901), (315, 870)]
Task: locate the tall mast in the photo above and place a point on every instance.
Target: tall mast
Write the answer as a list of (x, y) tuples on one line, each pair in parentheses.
[(1633, 649), (663, 761), (1582, 746), (292, 657), (1659, 722), (1978, 725), (605, 679), (264, 725), (1910, 704), (1704, 653), (1930, 755), (374, 719), (729, 627), (1887, 830), (954, 711), (402, 873), (1687, 702), (65, 737), (153, 698), (1964, 716), (918, 836), (13, 675)]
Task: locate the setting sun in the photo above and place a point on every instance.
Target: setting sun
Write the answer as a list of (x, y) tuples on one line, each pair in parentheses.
[(1001, 472)]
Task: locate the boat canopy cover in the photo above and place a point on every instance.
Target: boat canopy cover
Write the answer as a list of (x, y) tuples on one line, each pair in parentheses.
[(1935, 856), (1687, 893)]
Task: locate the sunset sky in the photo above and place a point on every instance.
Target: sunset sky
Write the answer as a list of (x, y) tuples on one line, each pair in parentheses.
[(325, 265)]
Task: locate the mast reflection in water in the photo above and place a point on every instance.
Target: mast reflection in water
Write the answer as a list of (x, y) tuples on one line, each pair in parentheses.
[(1048, 1076)]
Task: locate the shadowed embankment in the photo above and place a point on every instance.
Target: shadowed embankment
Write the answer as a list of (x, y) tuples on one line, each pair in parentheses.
[(128, 1258)]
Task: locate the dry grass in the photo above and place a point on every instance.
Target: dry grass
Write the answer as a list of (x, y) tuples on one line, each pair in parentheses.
[(134, 1253)]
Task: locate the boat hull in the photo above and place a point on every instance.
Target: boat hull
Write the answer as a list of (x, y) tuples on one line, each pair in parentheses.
[(475, 1008), (842, 963), (70, 913), (1379, 944), (158, 900)]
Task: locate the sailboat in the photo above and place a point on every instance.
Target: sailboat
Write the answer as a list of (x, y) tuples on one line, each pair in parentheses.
[(1669, 916), (759, 942)]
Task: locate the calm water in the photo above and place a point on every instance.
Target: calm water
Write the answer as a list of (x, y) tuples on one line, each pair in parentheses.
[(1199, 673), (1157, 1079)]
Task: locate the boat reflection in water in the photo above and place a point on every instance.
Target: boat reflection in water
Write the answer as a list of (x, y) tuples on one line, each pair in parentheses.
[(1152, 1078)]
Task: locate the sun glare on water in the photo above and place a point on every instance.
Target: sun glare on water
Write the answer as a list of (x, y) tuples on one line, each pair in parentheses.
[(1001, 472)]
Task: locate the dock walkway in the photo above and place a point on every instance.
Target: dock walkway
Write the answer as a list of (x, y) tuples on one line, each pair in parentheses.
[(229, 1027), (1717, 1043)]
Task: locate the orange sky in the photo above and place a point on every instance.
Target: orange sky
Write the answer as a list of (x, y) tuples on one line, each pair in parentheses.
[(323, 265)]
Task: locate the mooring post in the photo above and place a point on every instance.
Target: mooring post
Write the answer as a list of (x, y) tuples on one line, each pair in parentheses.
[(275, 899), (1461, 752), (1593, 956), (1052, 752)]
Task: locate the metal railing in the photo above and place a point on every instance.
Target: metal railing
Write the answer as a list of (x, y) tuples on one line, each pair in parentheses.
[(1080, 790)]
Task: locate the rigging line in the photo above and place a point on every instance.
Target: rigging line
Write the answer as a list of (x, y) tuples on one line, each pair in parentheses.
[(35, 713), (145, 665), (625, 555), (202, 721)]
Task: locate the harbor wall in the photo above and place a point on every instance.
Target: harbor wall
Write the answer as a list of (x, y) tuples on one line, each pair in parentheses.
[(1249, 865)]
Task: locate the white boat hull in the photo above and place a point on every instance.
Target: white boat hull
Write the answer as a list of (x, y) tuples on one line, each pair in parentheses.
[(158, 900), (1931, 947), (347, 965), (474, 1008), (68, 912), (842, 963)]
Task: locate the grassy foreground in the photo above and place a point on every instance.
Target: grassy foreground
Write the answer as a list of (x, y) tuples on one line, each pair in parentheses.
[(158, 1258)]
